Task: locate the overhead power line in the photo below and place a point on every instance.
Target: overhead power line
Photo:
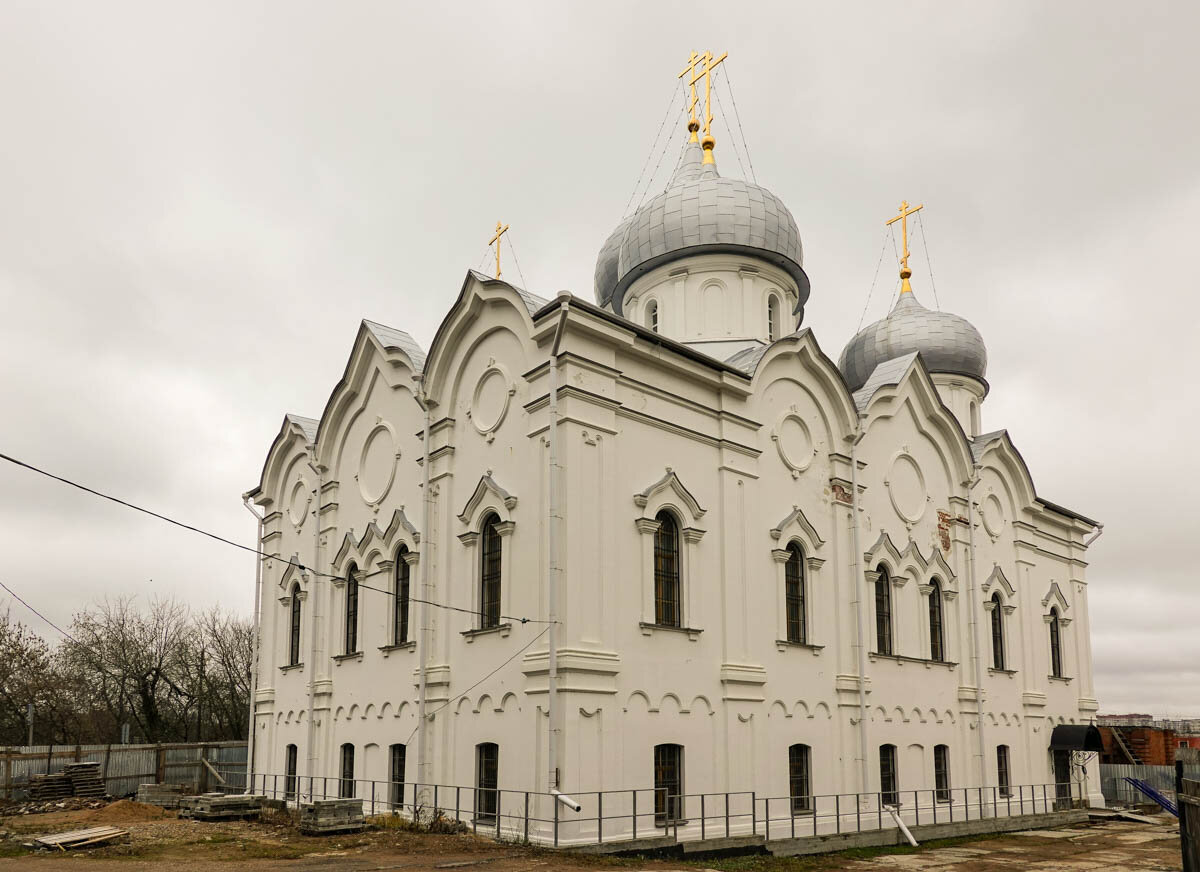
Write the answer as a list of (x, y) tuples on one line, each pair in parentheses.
[(255, 551)]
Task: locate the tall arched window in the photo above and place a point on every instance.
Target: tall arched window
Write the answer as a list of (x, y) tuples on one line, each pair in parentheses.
[(941, 772), (772, 318), (1003, 776), (487, 780), (997, 632), (294, 634), (351, 610), (883, 612), (793, 573), (889, 778), (489, 577), (346, 784), (667, 611), (398, 756), (937, 646), (289, 772), (652, 315), (400, 603), (800, 778), (1056, 667)]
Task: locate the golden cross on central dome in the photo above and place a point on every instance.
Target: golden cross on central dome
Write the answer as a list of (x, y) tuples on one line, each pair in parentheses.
[(701, 67), (501, 229), (905, 272)]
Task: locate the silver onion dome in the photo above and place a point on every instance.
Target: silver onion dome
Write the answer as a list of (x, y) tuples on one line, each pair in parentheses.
[(947, 343), (700, 213)]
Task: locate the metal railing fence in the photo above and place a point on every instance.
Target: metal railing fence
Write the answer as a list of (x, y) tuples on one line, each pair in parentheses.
[(651, 814)]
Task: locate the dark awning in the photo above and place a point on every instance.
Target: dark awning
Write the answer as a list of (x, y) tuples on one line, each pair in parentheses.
[(1076, 737)]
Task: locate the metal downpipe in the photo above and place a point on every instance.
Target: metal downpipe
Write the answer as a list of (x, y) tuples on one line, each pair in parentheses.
[(859, 591), (258, 571)]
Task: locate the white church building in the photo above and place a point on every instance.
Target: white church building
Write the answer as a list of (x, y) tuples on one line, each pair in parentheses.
[(663, 540)]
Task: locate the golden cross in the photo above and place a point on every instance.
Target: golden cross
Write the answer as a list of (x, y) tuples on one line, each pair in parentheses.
[(501, 229), (693, 124), (905, 211), (706, 74)]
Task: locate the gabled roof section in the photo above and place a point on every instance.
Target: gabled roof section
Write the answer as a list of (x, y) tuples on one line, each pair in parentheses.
[(979, 445), (747, 359), (532, 301), (1002, 441), (390, 337), (887, 374), (308, 426)]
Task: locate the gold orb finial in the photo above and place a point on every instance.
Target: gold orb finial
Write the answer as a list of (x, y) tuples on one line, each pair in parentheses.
[(708, 143)]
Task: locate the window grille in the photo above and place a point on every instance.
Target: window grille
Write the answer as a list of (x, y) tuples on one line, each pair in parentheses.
[(489, 600), (800, 778), (667, 611), (883, 612), (797, 631)]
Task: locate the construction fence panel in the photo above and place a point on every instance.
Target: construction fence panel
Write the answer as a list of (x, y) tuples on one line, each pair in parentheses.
[(1118, 791), (123, 767)]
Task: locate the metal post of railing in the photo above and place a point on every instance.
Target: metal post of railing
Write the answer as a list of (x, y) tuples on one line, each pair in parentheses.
[(436, 805), (837, 810), (526, 815), (599, 817), (754, 812), (702, 817), (767, 816), (981, 814), (555, 804), (792, 815), (372, 798), (1045, 806), (916, 809), (879, 810), (634, 792), (500, 808), (933, 803), (727, 815)]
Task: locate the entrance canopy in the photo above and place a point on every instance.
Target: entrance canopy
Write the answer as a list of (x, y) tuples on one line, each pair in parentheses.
[(1076, 737)]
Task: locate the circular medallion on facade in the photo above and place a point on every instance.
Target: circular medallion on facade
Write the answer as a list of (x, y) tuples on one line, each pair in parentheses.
[(298, 502), (793, 441), (991, 510), (490, 402), (906, 487), (377, 466)]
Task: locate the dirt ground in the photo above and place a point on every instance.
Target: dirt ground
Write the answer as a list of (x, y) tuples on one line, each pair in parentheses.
[(159, 841)]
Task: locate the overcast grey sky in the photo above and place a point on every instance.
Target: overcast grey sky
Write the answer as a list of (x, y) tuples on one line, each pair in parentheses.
[(199, 202)]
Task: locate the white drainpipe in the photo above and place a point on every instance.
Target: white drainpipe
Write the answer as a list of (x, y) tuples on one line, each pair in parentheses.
[(859, 591), (552, 562), (426, 558), (315, 585), (974, 606), (258, 568)]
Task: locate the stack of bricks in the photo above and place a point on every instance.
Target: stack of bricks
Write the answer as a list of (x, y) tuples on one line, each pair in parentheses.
[(331, 816)]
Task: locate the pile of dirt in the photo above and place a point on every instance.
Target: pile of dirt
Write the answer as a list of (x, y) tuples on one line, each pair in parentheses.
[(127, 811)]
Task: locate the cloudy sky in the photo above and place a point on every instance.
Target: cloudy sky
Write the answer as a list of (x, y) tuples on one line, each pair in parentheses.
[(199, 202)]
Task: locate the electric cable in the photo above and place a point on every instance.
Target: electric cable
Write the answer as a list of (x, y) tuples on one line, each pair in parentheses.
[(737, 116), (928, 262), (451, 701), (258, 553), (650, 153), (878, 264), (654, 175), (729, 127), (512, 248)]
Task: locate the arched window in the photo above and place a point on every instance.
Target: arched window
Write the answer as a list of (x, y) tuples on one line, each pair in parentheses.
[(997, 632), (1056, 667), (489, 577), (937, 647), (346, 784), (398, 755), (289, 772), (294, 634), (667, 610), (941, 772), (652, 315), (351, 610), (883, 612), (668, 784), (889, 779), (487, 780), (800, 778), (772, 318), (400, 604), (1003, 778), (793, 573)]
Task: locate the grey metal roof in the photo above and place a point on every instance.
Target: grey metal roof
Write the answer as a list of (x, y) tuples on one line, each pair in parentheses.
[(700, 212), (887, 373), (980, 443), (747, 359), (307, 425), (532, 301), (390, 337), (947, 343)]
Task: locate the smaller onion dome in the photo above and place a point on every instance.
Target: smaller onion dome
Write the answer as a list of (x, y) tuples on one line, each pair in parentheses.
[(947, 343)]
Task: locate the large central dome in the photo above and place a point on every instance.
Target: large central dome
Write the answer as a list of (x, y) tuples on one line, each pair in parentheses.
[(700, 213)]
